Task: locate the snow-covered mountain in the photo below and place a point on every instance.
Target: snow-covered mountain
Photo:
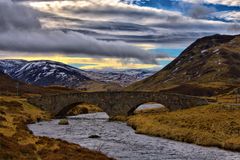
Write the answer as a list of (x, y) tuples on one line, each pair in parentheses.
[(43, 73), (11, 65), (122, 77), (46, 73)]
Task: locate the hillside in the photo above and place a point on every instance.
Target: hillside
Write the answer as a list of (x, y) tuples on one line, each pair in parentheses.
[(211, 65)]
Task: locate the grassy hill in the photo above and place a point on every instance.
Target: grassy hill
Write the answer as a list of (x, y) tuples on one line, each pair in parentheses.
[(209, 66)]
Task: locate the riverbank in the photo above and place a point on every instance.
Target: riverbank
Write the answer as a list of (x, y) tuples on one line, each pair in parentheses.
[(17, 142), (211, 125)]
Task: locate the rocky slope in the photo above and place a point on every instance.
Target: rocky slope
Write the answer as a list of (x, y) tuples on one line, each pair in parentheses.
[(211, 65)]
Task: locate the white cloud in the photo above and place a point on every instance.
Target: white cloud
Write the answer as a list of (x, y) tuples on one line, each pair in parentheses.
[(222, 2), (228, 15)]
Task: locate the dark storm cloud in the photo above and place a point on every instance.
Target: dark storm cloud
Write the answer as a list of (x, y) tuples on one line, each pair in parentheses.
[(116, 26), (17, 17), (104, 25), (115, 11), (21, 32), (178, 23), (160, 39), (70, 43), (150, 25), (145, 39), (148, 33)]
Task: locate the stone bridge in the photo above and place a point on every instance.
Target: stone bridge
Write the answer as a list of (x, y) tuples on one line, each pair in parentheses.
[(114, 103)]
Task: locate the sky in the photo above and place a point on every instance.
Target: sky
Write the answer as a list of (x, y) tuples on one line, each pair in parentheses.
[(111, 34)]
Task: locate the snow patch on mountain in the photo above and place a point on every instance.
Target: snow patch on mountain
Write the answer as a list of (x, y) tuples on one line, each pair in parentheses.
[(45, 73)]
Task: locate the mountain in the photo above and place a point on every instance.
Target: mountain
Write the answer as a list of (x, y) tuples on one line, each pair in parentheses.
[(209, 66), (1, 72), (122, 77), (50, 73), (9, 86), (44, 73)]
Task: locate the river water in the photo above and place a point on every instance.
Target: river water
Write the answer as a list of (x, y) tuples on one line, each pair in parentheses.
[(120, 141)]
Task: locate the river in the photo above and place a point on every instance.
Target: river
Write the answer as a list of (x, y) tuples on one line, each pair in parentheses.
[(120, 141)]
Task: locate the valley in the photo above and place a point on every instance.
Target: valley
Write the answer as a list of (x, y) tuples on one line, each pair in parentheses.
[(119, 80), (119, 141), (199, 92)]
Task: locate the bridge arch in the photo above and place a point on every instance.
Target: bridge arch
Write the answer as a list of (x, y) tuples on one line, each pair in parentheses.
[(143, 102), (148, 107), (81, 107)]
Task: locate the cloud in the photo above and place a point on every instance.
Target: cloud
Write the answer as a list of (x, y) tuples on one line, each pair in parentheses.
[(17, 17), (112, 20), (21, 32), (90, 63), (235, 28), (70, 43), (228, 15), (100, 28), (221, 2), (199, 11), (231, 16)]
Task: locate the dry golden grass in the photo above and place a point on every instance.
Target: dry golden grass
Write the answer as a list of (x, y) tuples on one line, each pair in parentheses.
[(151, 110), (119, 118), (17, 142), (141, 111), (212, 125), (84, 109), (228, 98)]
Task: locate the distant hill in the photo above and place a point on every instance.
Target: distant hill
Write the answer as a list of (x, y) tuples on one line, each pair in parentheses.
[(121, 77), (8, 86), (209, 66), (51, 73)]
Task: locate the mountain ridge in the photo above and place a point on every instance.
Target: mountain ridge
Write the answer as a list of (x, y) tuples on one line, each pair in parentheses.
[(51, 73), (209, 66)]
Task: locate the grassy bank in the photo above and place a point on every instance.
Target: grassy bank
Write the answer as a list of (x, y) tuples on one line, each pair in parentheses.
[(17, 142), (211, 125)]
